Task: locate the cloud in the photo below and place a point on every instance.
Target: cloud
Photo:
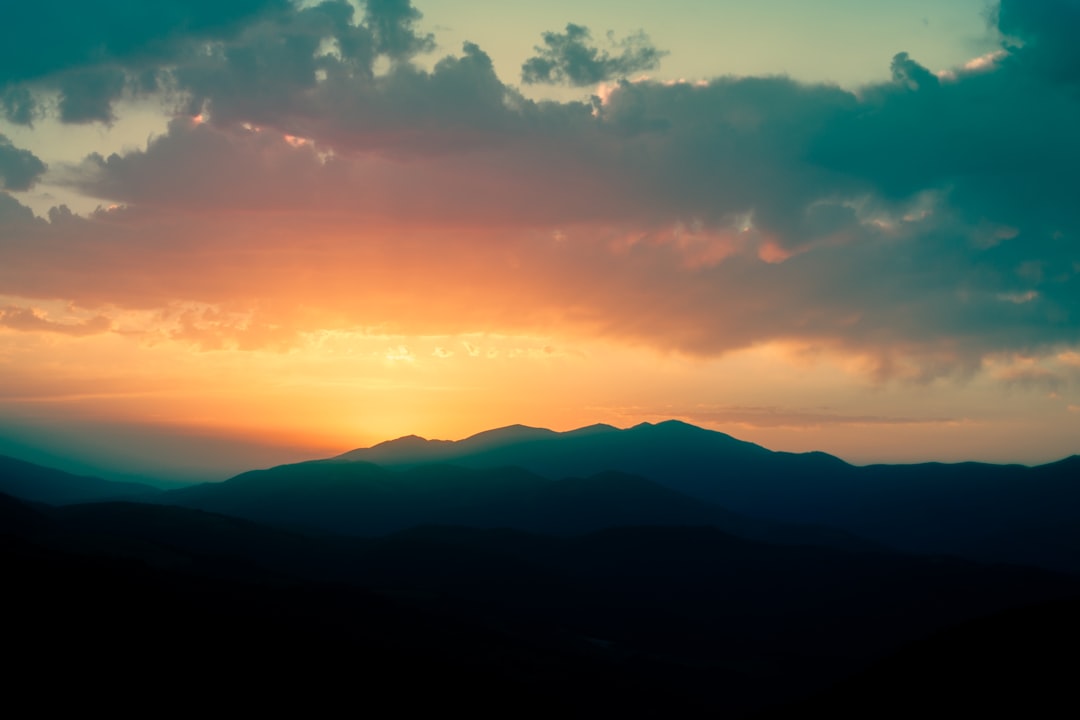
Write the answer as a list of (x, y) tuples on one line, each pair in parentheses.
[(391, 23), (211, 328), (13, 213), (266, 52), (92, 53), (775, 416), (19, 169), (268, 68), (1046, 34), (88, 95), (31, 320), (18, 105), (1033, 378), (570, 58)]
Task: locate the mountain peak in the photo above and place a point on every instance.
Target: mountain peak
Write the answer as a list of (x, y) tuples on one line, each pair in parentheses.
[(672, 423), (592, 429), (404, 444), (405, 440), (510, 432)]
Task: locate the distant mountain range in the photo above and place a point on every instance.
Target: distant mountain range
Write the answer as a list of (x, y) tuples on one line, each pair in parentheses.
[(670, 473), (1006, 513)]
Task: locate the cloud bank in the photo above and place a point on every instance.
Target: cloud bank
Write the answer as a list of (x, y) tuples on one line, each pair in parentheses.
[(928, 222)]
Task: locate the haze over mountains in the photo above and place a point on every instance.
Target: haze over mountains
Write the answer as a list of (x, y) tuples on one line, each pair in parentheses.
[(661, 568)]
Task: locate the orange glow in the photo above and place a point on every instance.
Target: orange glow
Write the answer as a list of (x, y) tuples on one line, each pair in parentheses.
[(333, 390)]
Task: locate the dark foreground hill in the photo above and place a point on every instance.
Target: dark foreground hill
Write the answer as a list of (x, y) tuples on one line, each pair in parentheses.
[(116, 601)]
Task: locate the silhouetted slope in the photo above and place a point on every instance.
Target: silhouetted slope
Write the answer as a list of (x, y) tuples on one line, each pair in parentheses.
[(668, 621), (1016, 663), (837, 602), (19, 518), (414, 450), (177, 538), (990, 512), (92, 630), (41, 484), (703, 463), (355, 498), (364, 499)]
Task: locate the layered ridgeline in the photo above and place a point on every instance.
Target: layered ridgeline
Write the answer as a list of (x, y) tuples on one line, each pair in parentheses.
[(1009, 513), (670, 473), (662, 569)]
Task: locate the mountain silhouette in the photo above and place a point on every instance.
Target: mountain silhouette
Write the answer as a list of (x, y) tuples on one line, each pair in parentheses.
[(553, 482), (697, 462), (1002, 513), (413, 449)]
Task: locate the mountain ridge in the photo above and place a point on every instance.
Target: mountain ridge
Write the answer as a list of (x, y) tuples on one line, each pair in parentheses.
[(31, 481), (982, 511), (987, 511)]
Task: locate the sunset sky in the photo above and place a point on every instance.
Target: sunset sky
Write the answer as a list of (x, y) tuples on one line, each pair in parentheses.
[(240, 233)]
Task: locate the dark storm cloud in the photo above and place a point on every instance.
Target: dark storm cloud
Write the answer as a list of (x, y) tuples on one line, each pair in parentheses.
[(310, 74), (88, 95), (1047, 32), (272, 71), (19, 169), (91, 51), (50, 36), (262, 51), (713, 151), (571, 58)]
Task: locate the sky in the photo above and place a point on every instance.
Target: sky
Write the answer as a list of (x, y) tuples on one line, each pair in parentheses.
[(237, 234)]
